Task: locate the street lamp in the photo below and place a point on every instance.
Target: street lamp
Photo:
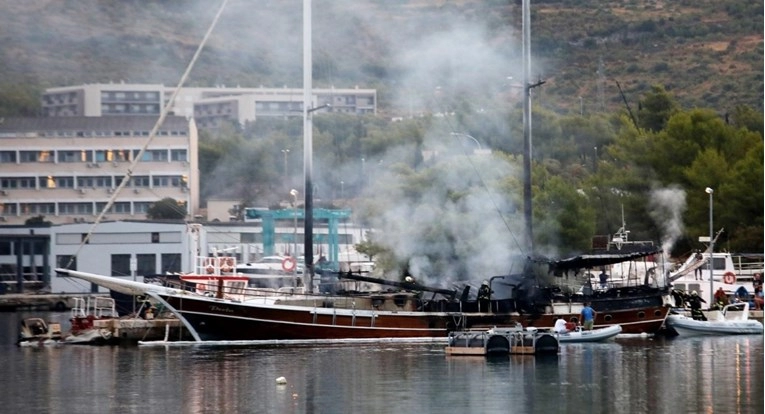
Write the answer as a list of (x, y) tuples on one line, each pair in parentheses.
[(459, 134), (294, 194), (711, 245)]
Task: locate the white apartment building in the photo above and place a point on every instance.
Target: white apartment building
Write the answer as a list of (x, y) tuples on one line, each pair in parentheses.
[(67, 168), (209, 106)]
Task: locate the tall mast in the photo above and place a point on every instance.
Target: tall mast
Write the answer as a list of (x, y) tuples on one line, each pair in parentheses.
[(308, 144), (529, 241)]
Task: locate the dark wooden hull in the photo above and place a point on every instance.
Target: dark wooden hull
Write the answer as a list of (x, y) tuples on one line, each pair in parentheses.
[(230, 320)]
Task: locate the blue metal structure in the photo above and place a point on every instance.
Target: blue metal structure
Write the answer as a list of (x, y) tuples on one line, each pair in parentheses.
[(269, 217)]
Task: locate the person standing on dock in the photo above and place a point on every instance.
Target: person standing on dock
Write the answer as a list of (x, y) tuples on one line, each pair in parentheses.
[(588, 317)]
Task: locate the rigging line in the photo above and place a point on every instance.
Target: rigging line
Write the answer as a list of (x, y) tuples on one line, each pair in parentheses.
[(126, 178), (488, 190)]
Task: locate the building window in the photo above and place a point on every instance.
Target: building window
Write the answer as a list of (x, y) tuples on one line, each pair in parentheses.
[(147, 264), (8, 157), (8, 209), (155, 237), (85, 182), (141, 207), (28, 156), (121, 207), (123, 155), (69, 156), (178, 155), (34, 209), (22, 182), (62, 261), (160, 181), (120, 265), (60, 182), (140, 181), (152, 155), (171, 262), (103, 181), (75, 208)]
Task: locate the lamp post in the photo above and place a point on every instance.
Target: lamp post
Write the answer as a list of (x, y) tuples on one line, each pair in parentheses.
[(711, 245), (285, 151), (342, 189), (294, 194), (459, 134)]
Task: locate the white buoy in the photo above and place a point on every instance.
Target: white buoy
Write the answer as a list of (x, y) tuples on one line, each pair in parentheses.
[(281, 380)]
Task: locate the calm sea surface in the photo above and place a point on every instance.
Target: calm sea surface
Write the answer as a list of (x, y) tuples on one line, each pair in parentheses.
[(681, 375)]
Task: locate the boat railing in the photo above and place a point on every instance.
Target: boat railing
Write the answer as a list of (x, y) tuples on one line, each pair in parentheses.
[(97, 306)]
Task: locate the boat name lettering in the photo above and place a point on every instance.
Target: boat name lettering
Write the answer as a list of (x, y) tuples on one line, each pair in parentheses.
[(219, 309)]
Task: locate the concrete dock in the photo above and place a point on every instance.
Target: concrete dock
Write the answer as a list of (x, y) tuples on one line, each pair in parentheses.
[(58, 302), (131, 330)]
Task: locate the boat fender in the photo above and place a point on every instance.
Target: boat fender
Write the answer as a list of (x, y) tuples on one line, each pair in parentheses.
[(729, 278), (288, 264)]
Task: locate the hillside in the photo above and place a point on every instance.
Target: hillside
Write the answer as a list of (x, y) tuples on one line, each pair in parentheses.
[(422, 55)]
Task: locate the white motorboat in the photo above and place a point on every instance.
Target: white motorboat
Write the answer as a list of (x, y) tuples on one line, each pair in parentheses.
[(594, 335), (731, 320)]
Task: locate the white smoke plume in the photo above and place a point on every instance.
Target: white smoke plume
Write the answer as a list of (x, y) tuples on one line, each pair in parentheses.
[(667, 208)]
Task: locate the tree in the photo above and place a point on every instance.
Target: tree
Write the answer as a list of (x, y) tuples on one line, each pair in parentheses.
[(36, 220), (564, 220), (656, 108), (168, 208), (745, 117)]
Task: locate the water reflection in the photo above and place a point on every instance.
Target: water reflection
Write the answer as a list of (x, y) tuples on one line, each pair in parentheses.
[(713, 375)]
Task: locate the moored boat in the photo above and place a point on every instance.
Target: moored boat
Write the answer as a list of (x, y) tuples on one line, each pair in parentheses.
[(594, 335), (729, 274), (727, 321), (410, 312), (36, 332)]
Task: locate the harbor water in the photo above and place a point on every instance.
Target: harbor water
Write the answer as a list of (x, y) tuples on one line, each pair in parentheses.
[(633, 375)]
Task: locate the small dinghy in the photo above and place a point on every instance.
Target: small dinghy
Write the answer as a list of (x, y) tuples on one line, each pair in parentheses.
[(594, 335)]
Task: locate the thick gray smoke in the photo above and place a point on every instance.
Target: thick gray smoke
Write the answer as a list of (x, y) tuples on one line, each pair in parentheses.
[(433, 55)]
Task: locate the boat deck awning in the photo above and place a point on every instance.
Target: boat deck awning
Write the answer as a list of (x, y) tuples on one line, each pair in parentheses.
[(588, 261)]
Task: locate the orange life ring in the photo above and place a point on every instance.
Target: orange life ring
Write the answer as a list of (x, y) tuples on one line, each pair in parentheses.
[(288, 264), (729, 278), (230, 261)]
